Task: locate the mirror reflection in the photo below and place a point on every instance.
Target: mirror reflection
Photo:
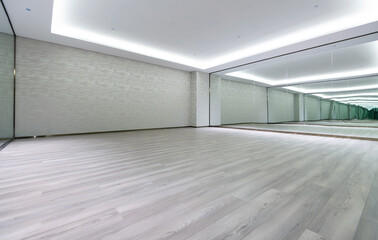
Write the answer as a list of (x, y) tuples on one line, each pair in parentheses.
[(330, 90), (6, 78)]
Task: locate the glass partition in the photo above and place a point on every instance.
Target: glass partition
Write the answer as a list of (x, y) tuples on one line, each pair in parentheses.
[(328, 90), (6, 78)]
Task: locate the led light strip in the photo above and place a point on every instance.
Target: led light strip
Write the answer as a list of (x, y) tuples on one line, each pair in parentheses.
[(326, 90), (362, 101), (346, 95), (61, 26), (354, 99), (331, 76)]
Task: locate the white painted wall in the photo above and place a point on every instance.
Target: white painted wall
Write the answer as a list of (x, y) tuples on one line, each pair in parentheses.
[(336, 110), (344, 112), (353, 112), (215, 100), (200, 99), (281, 106), (298, 107), (242, 103), (326, 109), (312, 108), (62, 90), (6, 85)]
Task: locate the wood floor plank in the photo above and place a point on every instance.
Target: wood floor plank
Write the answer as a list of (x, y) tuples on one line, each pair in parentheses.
[(340, 217), (292, 220), (246, 218), (309, 235), (207, 183)]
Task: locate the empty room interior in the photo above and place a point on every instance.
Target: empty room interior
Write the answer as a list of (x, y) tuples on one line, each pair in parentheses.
[(183, 120)]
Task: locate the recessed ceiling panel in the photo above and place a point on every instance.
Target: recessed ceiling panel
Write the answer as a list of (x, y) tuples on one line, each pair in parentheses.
[(4, 23), (205, 34), (355, 61)]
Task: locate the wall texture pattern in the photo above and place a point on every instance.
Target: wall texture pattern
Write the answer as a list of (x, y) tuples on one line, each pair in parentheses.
[(326, 109), (62, 90), (243, 103), (312, 108), (281, 106), (6, 85)]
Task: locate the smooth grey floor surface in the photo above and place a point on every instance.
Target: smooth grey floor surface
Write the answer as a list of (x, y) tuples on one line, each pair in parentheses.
[(358, 132), (205, 183)]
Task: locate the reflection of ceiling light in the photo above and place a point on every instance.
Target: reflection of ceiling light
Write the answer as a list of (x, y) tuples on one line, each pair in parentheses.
[(365, 104), (365, 13), (346, 95), (322, 77), (363, 101), (248, 76), (325, 90), (355, 99)]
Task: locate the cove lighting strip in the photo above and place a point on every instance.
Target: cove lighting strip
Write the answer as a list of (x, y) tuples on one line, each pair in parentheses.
[(355, 99), (362, 101), (346, 95), (313, 78), (365, 13), (327, 90)]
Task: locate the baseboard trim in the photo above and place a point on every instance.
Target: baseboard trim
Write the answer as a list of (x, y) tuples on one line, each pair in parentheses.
[(89, 133)]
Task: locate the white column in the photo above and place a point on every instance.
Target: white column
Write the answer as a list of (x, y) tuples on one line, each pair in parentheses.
[(199, 115), (215, 100), (299, 107)]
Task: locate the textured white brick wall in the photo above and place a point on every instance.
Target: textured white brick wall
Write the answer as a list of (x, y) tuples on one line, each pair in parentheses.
[(281, 106), (312, 108), (243, 103), (326, 109), (62, 90), (6, 85), (352, 111), (344, 112)]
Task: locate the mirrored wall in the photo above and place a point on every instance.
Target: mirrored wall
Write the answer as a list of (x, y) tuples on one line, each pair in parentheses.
[(328, 90), (6, 78)]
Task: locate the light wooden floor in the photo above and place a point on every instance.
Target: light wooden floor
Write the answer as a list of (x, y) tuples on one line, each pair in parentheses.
[(207, 183)]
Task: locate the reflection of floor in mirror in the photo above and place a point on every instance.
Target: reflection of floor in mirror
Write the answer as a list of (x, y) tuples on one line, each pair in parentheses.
[(2, 141), (190, 183), (360, 132), (349, 123)]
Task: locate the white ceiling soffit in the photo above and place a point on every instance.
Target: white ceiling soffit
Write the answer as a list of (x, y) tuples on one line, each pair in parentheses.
[(193, 34), (4, 23), (340, 95), (344, 63), (337, 86)]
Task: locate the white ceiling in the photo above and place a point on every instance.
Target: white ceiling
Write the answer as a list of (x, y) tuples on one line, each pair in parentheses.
[(4, 23), (337, 86), (190, 35), (364, 98), (363, 56)]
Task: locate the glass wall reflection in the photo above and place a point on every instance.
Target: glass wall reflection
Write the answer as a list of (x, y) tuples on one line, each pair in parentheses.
[(6, 78), (330, 90)]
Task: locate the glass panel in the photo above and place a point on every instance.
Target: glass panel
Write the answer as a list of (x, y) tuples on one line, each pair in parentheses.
[(6, 78), (329, 90)]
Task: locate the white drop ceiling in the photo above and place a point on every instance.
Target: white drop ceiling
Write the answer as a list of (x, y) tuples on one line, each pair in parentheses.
[(350, 59), (191, 35), (4, 23), (357, 84)]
